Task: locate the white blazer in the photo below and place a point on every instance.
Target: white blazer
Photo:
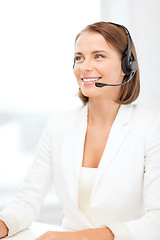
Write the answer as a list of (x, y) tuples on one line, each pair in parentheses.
[(126, 192)]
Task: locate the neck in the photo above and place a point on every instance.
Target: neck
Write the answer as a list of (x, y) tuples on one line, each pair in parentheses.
[(102, 113)]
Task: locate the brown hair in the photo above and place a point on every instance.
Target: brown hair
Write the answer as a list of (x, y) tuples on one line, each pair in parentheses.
[(116, 36)]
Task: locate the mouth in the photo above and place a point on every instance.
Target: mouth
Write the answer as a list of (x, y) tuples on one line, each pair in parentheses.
[(90, 80)]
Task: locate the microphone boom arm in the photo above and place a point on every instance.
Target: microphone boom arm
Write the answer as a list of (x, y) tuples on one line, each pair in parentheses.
[(97, 84)]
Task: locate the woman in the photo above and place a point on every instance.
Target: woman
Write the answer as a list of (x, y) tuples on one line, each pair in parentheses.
[(104, 157)]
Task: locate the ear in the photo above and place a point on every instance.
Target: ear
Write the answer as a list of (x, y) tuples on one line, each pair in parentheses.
[(122, 73)]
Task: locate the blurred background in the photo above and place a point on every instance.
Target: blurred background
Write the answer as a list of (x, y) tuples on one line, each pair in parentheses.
[(36, 75)]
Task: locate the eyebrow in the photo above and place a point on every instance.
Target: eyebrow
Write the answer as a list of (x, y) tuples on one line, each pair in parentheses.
[(94, 52)]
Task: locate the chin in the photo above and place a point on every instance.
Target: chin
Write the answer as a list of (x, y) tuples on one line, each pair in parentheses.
[(89, 93)]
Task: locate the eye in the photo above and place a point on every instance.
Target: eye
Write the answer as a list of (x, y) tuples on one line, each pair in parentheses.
[(99, 56), (78, 58)]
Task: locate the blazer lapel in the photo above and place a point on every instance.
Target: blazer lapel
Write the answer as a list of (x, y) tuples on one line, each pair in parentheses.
[(116, 137)]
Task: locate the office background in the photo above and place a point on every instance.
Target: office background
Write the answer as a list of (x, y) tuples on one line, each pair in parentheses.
[(36, 76)]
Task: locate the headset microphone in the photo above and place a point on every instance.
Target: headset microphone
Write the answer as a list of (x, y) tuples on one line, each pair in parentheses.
[(97, 84)]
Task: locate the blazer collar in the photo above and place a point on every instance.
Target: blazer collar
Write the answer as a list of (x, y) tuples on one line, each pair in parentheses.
[(122, 118), (124, 114)]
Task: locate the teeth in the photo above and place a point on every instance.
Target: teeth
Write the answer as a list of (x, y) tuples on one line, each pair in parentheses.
[(90, 79)]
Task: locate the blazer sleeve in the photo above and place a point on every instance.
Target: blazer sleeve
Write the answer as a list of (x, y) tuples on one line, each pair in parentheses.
[(20, 213), (148, 226)]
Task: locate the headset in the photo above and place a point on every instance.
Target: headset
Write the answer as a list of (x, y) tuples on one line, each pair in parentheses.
[(128, 63)]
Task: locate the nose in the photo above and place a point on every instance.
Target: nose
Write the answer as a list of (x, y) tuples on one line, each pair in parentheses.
[(87, 65)]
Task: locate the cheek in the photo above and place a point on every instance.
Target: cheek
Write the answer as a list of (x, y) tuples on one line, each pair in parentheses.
[(77, 75), (75, 70)]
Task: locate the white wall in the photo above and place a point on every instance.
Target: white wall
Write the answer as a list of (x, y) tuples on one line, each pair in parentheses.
[(37, 51), (36, 73), (142, 18)]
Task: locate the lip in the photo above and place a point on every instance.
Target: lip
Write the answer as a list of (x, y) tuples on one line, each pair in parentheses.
[(90, 82)]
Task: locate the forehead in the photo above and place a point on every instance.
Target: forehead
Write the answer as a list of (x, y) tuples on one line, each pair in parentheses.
[(92, 41)]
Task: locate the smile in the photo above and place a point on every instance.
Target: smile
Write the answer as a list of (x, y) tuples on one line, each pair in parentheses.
[(90, 79)]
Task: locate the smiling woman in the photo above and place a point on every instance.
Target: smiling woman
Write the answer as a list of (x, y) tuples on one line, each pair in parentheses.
[(107, 43), (102, 157)]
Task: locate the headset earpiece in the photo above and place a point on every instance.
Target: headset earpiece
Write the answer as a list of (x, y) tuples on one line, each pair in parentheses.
[(125, 67), (134, 66), (128, 66)]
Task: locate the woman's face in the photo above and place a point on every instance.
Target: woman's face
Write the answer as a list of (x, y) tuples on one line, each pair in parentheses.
[(97, 61)]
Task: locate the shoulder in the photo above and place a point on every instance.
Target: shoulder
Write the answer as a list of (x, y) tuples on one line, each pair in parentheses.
[(146, 123), (65, 119), (145, 115)]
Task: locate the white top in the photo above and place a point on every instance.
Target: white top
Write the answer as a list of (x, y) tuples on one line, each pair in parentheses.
[(86, 180), (132, 178)]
